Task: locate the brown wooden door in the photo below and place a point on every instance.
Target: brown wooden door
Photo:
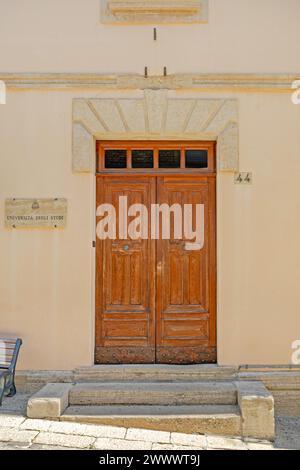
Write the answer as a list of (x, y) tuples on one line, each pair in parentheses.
[(155, 300), (185, 318)]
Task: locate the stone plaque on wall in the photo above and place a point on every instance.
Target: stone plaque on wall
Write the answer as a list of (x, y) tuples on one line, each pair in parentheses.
[(36, 213), (154, 11)]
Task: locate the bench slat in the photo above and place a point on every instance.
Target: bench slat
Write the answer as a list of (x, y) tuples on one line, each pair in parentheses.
[(8, 341), (6, 352), (5, 359), (9, 351)]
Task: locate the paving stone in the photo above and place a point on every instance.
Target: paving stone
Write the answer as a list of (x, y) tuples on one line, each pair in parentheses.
[(252, 440), (87, 429), (13, 446), (46, 447), (15, 405), (36, 424), (257, 446), (64, 440), (148, 435), (172, 447), (195, 440), (216, 442), (121, 444), (11, 421), (14, 435), (288, 433)]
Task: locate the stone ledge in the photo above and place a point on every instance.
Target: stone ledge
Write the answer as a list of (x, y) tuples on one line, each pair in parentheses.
[(257, 409), (284, 384), (154, 11), (49, 402), (30, 381), (202, 82)]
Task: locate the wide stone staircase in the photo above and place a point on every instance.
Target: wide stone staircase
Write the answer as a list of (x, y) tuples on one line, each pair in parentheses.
[(188, 399)]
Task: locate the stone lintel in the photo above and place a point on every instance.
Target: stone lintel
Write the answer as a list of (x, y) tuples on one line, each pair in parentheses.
[(156, 116)]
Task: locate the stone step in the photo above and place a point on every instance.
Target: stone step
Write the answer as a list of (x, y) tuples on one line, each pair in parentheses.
[(153, 393), (154, 372), (222, 420)]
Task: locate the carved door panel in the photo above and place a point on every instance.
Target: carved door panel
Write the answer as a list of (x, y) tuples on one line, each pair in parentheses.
[(156, 299), (125, 287), (186, 318)]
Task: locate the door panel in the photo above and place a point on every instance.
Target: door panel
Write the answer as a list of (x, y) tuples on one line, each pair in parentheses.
[(185, 320), (125, 281), (155, 300)]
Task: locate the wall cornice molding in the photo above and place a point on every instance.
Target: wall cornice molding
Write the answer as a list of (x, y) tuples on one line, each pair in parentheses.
[(200, 82)]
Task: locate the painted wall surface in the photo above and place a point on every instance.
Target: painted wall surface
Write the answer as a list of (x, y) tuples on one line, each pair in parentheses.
[(47, 277), (67, 36)]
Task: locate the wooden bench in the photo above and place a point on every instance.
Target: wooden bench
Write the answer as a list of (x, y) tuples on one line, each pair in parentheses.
[(9, 351)]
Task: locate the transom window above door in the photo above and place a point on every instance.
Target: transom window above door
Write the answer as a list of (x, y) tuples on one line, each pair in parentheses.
[(155, 156)]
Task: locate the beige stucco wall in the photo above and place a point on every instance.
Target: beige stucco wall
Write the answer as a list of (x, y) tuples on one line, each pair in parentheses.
[(66, 35), (47, 277), (258, 234)]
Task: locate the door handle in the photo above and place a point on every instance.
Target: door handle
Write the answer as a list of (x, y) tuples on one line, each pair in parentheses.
[(159, 266)]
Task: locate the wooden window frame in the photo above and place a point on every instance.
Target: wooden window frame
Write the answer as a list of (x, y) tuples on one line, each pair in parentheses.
[(129, 146)]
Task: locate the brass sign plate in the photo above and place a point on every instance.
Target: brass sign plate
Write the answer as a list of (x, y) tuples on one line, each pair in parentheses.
[(35, 213)]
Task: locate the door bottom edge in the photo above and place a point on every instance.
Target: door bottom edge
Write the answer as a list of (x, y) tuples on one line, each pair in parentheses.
[(161, 355)]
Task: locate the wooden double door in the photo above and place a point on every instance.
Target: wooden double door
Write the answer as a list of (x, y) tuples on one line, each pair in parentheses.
[(155, 296)]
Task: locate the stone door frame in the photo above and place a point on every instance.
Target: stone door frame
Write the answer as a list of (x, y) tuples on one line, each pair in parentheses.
[(154, 115), (150, 114)]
